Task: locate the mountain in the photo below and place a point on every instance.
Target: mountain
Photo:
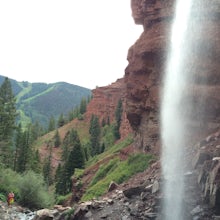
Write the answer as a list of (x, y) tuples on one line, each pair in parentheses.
[(40, 101)]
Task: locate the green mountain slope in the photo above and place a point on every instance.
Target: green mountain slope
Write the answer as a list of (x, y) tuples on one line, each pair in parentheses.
[(40, 101)]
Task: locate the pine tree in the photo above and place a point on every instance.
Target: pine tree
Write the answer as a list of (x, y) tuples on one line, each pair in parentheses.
[(60, 187), (47, 169), (7, 111), (71, 115), (24, 154), (35, 131), (57, 140), (51, 125), (18, 144), (103, 122), (61, 121), (86, 151), (73, 157), (35, 162), (25, 157), (82, 108), (102, 148), (7, 122), (95, 131), (89, 98), (76, 157), (63, 183), (65, 147), (118, 114)]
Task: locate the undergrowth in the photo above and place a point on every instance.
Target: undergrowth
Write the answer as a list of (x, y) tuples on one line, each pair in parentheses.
[(117, 171), (112, 150)]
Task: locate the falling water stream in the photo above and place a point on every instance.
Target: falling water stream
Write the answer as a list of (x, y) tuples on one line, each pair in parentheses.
[(173, 117)]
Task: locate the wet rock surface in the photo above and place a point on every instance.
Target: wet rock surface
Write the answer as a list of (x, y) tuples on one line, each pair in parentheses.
[(15, 212)]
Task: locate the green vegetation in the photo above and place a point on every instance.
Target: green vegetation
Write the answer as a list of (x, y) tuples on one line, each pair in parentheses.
[(72, 158), (29, 188), (76, 146), (78, 173), (3, 197), (118, 115), (9, 180), (118, 171), (95, 131), (110, 151), (40, 101), (104, 170), (7, 118), (33, 192), (108, 136), (60, 200)]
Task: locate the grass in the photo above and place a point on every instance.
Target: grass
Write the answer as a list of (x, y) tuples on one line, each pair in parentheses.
[(117, 171), (113, 150), (104, 170)]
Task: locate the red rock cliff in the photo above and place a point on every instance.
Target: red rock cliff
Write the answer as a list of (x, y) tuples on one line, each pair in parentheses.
[(104, 103), (147, 57)]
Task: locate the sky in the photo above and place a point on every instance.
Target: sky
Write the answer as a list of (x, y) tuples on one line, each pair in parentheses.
[(82, 42)]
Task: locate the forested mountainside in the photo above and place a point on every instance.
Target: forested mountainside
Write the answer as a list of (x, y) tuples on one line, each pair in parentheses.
[(38, 102)]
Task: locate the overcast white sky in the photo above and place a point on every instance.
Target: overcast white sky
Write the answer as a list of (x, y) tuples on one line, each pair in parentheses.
[(83, 42)]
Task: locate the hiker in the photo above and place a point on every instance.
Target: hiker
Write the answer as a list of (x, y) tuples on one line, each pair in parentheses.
[(10, 198)]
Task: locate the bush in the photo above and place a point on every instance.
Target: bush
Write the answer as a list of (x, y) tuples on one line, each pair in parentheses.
[(2, 197), (8, 182), (33, 193)]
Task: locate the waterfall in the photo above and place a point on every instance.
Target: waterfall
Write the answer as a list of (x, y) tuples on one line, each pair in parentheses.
[(173, 113)]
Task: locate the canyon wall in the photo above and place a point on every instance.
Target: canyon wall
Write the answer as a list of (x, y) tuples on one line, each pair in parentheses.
[(104, 103), (147, 59)]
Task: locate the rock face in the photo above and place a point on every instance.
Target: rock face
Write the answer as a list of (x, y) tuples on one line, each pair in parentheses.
[(147, 57), (104, 103), (207, 163), (144, 81), (146, 66)]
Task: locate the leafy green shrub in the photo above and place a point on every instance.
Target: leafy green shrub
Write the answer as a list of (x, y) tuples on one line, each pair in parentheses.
[(2, 197), (8, 182), (33, 193)]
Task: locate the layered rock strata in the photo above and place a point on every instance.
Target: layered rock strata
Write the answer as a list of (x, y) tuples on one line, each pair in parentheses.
[(104, 104), (147, 61)]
